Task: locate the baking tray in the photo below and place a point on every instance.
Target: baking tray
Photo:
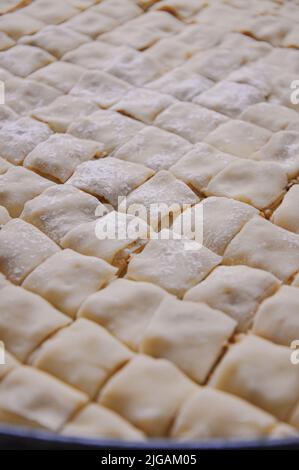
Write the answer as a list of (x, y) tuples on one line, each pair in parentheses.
[(13, 438)]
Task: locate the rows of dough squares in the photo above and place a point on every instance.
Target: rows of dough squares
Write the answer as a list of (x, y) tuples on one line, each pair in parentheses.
[(181, 101)]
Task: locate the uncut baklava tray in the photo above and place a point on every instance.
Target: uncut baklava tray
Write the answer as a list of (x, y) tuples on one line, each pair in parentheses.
[(173, 101)]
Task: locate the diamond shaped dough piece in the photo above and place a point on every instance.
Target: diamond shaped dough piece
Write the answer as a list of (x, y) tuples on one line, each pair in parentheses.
[(124, 308), (32, 398), (53, 12), (271, 116), (83, 355), (26, 320), (191, 335), (286, 215), (148, 393), (60, 75), (17, 24), (236, 291), (12, 59), (22, 248)]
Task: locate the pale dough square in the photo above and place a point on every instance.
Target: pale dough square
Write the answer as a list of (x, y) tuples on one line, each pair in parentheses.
[(91, 23), (22, 248), (124, 308), (216, 63), (287, 214), (12, 59), (60, 75), (17, 24), (182, 9), (236, 291), (93, 55), (118, 9), (26, 320), (5, 41), (132, 35), (83, 355), (53, 12), (191, 335), (170, 52), (67, 278), (273, 117), (7, 115), (147, 392), (261, 244)]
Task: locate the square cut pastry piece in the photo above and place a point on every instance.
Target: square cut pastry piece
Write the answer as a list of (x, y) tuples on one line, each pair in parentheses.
[(212, 414), (216, 63), (19, 185), (200, 165), (106, 126), (13, 59), (159, 197), (143, 105), (170, 52), (124, 308), (98, 422), (53, 12), (60, 75), (4, 216), (101, 87), (18, 138), (133, 35), (219, 219), (26, 320), (283, 149), (287, 214), (239, 138), (261, 244), (172, 266), (63, 111), (229, 98), (57, 40), (148, 393), (109, 178), (260, 184), (191, 335), (22, 248), (120, 11), (91, 23), (67, 278), (277, 317), (236, 291), (154, 148), (83, 355), (59, 156), (29, 397), (189, 121), (93, 55), (59, 209), (273, 117), (17, 24), (260, 372)]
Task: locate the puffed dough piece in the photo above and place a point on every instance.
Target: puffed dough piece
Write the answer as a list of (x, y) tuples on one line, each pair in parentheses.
[(100, 87), (91, 23), (26, 320), (57, 40), (51, 12), (7, 115), (117, 9), (22, 248), (216, 63), (286, 215), (13, 59), (10, 363), (18, 138), (170, 265), (124, 309), (268, 28), (59, 156), (189, 121), (5, 41), (98, 422), (170, 52), (270, 115), (143, 105), (17, 24), (159, 196), (83, 355), (229, 98), (277, 317), (4, 216), (238, 138), (201, 37), (135, 67), (148, 393), (93, 55), (292, 38), (283, 149), (60, 75), (258, 183), (191, 335), (260, 372), (200, 165), (33, 397), (211, 414), (133, 35), (106, 126), (67, 278), (236, 291), (154, 148), (248, 48), (109, 178), (183, 86), (59, 209), (180, 8), (63, 111), (17, 186), (261, 244)]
